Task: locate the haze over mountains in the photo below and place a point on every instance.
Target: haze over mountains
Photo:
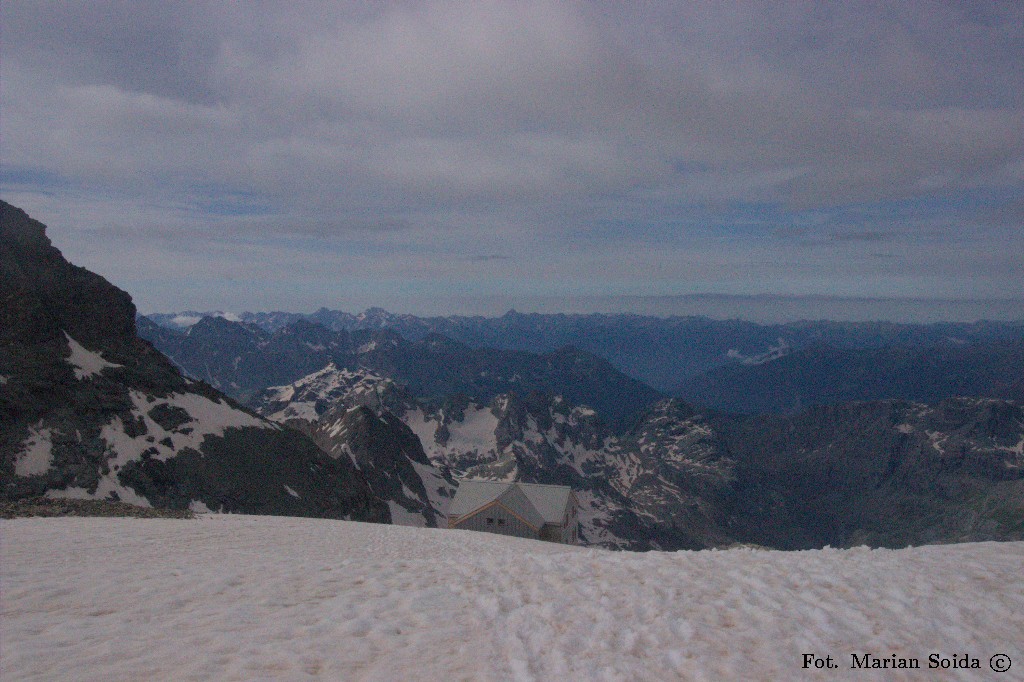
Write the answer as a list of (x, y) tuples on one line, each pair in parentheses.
[(823, 375)]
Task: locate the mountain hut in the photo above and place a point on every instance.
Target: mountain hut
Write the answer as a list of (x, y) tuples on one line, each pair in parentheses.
[(525, 510)]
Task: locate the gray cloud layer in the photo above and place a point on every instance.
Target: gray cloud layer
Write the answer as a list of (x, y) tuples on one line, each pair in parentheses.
[(664, 148)]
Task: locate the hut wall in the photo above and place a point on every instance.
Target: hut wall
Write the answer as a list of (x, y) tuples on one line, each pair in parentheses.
[(498, 520)]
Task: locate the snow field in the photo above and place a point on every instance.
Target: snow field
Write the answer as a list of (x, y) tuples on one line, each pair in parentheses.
[(273, 598), (475, 433)]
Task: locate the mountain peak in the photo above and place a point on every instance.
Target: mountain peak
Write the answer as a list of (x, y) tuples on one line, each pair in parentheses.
[(50, 296), (22, 232)]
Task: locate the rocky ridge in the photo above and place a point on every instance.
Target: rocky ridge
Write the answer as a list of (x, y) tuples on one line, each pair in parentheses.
[(883, 473)]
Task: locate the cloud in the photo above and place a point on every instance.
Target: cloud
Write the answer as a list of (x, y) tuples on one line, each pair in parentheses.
[(861, 236), (550, 130), (1009, 214), (501, 101)]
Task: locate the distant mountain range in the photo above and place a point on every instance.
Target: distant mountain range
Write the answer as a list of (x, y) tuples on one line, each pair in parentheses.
[(242, 359), (714, 363)]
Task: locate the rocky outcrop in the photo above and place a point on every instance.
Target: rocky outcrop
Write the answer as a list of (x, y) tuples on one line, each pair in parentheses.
[(313, 395), (42, 296), (49, 507)]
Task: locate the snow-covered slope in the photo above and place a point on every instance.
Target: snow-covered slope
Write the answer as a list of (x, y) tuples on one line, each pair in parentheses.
[(156, 430), (270, 598)]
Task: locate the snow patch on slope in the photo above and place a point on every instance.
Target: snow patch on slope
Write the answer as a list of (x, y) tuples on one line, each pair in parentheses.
[(439, 491), (423, 426), (937, 439), (312, 395), (1017, 449), (475, 433), (209, 418), (296, 410), (86, 363), (401, 517), (36, 455), (183, 321), (212, 417), (781, 350)]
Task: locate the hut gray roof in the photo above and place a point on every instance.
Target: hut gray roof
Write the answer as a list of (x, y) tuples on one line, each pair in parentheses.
[(549, 500), (536, 503), (471, 495), (516, 501)]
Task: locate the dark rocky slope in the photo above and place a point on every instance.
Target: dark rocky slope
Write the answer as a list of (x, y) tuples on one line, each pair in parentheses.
[(391, 458), (822, 375), (884, 473), (87, 409)]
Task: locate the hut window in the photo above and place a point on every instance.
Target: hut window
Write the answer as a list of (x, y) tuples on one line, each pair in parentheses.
[(490, 522)]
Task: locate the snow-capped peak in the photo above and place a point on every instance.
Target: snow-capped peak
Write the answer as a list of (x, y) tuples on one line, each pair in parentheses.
[(316, 393)]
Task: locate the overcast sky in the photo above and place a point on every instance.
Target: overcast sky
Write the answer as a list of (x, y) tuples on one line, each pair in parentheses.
[(436, 157)]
